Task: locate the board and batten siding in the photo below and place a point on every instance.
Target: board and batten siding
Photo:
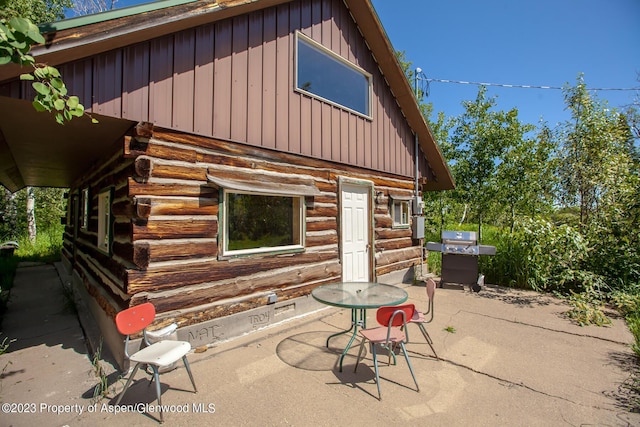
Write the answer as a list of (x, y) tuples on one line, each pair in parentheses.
[(234, 80)]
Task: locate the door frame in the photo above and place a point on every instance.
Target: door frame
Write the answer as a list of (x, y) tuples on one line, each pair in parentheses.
[(354, 182)]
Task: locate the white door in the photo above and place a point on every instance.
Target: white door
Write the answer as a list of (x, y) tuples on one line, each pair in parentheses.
[(354, 232)]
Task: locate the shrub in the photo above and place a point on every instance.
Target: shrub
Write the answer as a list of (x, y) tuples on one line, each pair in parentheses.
[(541, 256)]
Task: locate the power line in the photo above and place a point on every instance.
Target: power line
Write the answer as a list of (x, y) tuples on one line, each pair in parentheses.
[(429, 80)]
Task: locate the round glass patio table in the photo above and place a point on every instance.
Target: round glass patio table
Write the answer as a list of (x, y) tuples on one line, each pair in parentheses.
[(358, 296)]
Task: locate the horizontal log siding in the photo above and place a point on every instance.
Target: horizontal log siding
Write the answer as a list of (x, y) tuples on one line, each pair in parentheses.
[(174, 236), (234, 80), (103, 275)]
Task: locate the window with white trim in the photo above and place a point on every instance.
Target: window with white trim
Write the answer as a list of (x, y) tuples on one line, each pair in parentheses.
[(104, 220), (322, 74), (400, 212), (258, 223)]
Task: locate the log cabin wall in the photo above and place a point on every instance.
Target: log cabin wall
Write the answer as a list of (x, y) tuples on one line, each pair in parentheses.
[(174, 229), (165, 229), (103, 275)]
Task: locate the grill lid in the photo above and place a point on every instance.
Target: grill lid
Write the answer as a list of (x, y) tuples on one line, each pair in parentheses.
[(459, 237), (460, 242)]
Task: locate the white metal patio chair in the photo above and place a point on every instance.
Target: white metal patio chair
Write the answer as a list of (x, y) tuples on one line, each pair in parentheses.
[(155, 355)]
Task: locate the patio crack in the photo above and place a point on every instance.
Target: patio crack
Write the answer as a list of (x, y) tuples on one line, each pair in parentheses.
[(575, 334), (510, 383)]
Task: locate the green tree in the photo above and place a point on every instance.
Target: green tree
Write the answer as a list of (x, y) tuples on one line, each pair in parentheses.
[(594, 159), (525, 176), (480, 142), (441, 207), (36, 11), (599, 174)]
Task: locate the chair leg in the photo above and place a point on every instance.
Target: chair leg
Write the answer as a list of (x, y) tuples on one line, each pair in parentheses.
[(406, 357), (375, 364), (126, 386), (425, 334), (156, 376), (428, 338), (186, 365), (359, 354)]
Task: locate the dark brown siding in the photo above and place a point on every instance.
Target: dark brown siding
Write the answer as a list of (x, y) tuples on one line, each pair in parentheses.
[(234, 80)]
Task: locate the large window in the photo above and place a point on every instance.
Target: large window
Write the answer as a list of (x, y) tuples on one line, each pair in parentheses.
[(323, 74), (104, 220), (262, 223)]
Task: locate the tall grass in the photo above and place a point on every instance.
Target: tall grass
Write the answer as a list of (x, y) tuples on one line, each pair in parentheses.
[(46, 248)]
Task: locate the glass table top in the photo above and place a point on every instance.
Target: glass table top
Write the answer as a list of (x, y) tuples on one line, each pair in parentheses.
[(359, 294)]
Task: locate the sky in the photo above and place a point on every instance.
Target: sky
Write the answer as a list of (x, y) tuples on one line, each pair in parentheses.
[(517, 42), (535, 43)]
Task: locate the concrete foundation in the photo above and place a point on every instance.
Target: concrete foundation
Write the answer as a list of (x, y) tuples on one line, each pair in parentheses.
[(101, 332)]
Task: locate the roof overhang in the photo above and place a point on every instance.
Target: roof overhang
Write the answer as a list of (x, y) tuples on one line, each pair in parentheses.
[(36, 151)]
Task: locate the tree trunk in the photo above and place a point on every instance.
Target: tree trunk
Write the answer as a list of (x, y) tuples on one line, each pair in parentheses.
[(10, 216), (31, 214), (464, 214)]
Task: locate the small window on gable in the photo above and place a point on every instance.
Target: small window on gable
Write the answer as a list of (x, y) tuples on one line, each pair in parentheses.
[(322, 74), (255, 223), (104, 221), (400, 212), (84, 209)]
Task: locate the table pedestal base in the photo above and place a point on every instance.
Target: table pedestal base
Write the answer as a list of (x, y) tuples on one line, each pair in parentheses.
[(358, 318)]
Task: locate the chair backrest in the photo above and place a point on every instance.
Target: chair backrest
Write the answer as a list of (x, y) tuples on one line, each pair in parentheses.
[(431, 292), (431, 289), (135, 319), (385, 314)]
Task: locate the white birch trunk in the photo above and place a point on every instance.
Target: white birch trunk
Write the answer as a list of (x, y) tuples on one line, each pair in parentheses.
[(31, 214)]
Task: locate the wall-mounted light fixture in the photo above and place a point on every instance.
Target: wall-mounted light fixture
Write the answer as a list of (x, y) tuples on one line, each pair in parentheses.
[(379, 195)]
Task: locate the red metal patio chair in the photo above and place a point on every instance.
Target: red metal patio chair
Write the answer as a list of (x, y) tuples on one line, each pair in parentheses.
[(421, 318), (156, 355), (391, 333)]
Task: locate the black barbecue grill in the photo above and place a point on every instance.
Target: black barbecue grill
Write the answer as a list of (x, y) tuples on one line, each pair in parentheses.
[(460, 253)]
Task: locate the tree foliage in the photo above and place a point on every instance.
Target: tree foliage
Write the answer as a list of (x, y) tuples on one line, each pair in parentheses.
[(36, 11), (595, 161), (17, 35), (50, 206)]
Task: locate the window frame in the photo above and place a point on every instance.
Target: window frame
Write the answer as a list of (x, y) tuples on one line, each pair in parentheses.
[(300, 37), (224, 228), (402, 202), (84, 208), (105, 219)]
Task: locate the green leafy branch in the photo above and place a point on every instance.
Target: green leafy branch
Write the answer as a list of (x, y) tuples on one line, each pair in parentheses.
[(16, 38)]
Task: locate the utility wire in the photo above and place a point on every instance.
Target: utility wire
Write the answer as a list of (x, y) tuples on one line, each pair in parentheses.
[(522, 86)]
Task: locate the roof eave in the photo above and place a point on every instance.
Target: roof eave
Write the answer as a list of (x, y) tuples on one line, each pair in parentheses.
[(373, 31)]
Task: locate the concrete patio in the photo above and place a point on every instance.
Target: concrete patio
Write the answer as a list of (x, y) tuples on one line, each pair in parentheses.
[(507, 357)]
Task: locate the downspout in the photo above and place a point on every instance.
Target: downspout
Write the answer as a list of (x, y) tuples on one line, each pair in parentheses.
[(417, 171)]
